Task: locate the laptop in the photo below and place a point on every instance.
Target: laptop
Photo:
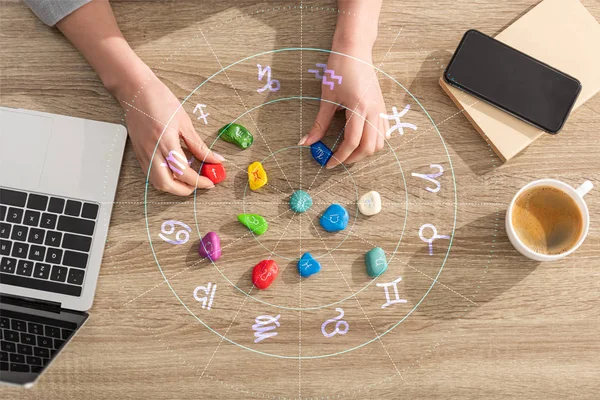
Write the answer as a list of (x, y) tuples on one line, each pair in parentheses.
[(58, 177)]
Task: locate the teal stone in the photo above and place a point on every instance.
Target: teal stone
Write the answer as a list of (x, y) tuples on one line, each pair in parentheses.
[(300, 201), (376, 262)]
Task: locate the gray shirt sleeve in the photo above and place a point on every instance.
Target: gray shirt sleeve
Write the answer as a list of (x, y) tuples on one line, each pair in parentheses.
[(52, 11)]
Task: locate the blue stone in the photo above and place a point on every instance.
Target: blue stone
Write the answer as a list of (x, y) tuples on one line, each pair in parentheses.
[(335, 218), (308, 266), (320, 152), (300, 201)]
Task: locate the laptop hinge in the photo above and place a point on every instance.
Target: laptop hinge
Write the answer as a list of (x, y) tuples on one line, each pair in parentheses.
[(38, 304)]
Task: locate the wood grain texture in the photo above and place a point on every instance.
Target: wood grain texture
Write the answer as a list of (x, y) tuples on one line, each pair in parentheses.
[(493, 324)]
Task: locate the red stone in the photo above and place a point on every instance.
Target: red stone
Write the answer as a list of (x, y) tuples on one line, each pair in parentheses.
[(264, 273), (214, 172)]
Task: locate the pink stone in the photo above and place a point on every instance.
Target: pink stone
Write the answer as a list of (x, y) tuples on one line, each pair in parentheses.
[(210, 246)]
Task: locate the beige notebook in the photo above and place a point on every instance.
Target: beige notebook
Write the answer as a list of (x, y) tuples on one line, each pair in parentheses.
[(561, 33)]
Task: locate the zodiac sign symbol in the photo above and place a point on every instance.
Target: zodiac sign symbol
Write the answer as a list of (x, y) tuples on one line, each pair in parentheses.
[(399, 125), (272, 84), (306, 264), (263, 325), (430, 177), (320, 153), (386, 287), (253, 220), (324, 78), (334, 218), (202, 115), (431, 239), (182, 235), (206, 289), (179, 167), (189, 162), (337, 325), (265, 275)]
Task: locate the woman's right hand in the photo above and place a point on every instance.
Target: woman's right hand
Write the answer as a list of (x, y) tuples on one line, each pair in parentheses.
[(146, 119), (147, 102)]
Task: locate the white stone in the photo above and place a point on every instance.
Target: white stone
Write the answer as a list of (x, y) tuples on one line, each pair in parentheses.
[(370, 203)]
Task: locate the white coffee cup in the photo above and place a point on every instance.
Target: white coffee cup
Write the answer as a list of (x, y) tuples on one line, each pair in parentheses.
[(576, 195)]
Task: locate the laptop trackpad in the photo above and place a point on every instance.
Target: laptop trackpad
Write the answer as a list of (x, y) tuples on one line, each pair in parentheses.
[(24, 141)]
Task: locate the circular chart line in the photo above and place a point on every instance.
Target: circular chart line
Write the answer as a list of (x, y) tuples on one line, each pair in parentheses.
[(318, 50)]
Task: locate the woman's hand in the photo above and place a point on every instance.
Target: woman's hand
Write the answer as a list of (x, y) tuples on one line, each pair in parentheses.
[(359, 93), (145, 120), (93, 30)]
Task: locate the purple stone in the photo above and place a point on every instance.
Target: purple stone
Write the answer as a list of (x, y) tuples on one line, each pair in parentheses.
[(210, 246)]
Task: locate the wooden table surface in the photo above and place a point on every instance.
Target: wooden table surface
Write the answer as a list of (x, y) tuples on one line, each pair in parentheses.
[(479, 319)]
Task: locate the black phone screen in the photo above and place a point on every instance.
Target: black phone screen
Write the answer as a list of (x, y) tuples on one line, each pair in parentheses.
[(512, 81)]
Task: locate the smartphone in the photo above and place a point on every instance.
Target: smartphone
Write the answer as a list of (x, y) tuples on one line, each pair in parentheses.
[(512, 81)]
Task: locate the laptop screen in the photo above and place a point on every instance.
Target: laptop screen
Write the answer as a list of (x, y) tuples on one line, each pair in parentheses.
[(31, 338)]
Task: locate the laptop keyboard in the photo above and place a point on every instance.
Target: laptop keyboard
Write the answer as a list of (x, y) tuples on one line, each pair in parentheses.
[(45, 241), (28, 342)]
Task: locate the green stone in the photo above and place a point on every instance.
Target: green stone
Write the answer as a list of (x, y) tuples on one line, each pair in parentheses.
[(254, 222), (300, 201), (237, 134), (376, 262)]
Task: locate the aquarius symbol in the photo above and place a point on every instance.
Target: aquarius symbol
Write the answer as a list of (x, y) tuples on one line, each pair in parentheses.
[(399, 125), (430, 177), (386, 287), (272, 84), (263, 326), (324, 78), (431, 239), (168, 227), (337, 325), (206, 289), (202, 115)]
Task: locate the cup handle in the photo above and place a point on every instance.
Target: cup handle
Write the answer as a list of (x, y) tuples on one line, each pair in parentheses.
[(584, 188)]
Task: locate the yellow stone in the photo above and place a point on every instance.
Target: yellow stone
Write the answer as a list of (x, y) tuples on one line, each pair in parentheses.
[(257, 176)]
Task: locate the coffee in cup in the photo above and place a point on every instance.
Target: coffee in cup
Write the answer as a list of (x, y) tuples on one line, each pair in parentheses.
[(547, 220)]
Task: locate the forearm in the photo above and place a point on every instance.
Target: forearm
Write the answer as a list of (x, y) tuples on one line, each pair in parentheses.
[(357, 26), (93, 30)]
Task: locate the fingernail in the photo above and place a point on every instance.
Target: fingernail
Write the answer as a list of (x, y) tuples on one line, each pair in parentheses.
[(218, 156), (210, 187), (330, 166), (303, 140)]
